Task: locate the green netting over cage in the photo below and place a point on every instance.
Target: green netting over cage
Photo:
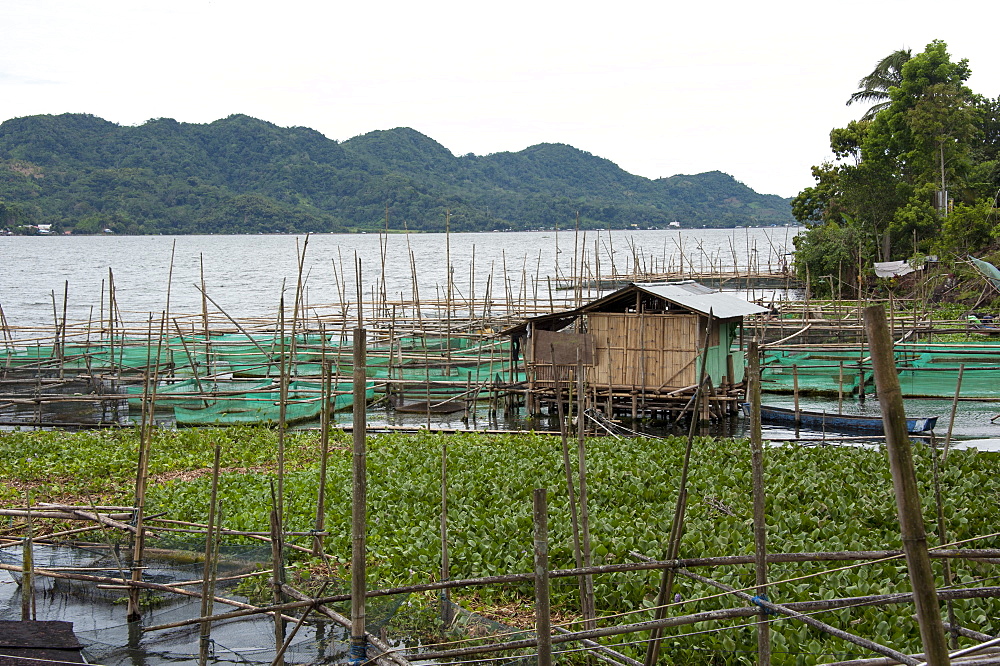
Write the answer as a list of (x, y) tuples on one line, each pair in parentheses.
[(925, 370)]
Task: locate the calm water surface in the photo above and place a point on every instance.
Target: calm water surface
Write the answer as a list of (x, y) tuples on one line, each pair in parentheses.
[(245, 275)]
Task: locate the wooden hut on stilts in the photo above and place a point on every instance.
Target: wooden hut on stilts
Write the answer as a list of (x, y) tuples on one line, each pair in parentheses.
[(639, 350)]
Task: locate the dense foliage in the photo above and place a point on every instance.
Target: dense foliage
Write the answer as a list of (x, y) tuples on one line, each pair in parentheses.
[(832, 498), (917, 175), (243, 175)]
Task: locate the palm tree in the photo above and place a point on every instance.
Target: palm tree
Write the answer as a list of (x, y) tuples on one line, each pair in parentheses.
[(888, 73)]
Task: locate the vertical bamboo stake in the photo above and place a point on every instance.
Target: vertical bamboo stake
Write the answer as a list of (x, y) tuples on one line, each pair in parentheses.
[(759, 518), (795, 393), (445, 565), (204, 298), (28, 568), (283, 370), (359, 498), (542, 620), (861, 378), (278, 496), (942, 534), (111, 317), (329, 402), (677, 527), (278, 575), (840, 389), (447, 261), (954, 409), (142, 473), (905, 486), (206, 597), (589, 611), (570, 482), (62, 343)]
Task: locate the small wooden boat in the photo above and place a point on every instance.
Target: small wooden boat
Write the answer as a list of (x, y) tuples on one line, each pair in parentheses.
[(829, 421)]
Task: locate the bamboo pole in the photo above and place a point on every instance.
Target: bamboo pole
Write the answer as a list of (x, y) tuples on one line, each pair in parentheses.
[(27, 579), (677, 527), (954, 409), (570, 482), (207, 572), (445, 565), (324, 440), (245, 609), (388, 656), (358, 653), (812, 622), (278, 568), (905, 486), (677, 621), (589, 610), (542, 612), (759, 517)]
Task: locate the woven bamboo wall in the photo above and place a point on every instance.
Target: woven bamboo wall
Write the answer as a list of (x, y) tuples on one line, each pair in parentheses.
[(650, 350)]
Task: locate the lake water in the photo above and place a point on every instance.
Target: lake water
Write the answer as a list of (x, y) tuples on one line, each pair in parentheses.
[(245, 275)]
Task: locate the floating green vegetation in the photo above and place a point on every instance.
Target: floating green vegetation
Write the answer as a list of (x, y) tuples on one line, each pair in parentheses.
[(819, 499)]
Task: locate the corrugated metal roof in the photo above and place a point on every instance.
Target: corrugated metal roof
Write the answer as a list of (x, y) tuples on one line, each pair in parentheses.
[(699, 298), (689, 295)]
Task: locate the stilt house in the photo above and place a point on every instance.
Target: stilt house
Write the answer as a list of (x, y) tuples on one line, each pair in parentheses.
[(640, 349)]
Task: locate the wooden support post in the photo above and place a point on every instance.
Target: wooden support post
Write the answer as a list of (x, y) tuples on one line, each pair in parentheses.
[(904, 483), (542, 613), (359, 649)]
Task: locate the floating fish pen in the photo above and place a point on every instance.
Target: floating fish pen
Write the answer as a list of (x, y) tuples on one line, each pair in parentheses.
[(240, 373)]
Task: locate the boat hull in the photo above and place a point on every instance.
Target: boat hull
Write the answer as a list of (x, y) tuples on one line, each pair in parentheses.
[(843, 422)]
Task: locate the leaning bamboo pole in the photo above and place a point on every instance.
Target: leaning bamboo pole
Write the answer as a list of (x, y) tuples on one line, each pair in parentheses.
[(905, 486)]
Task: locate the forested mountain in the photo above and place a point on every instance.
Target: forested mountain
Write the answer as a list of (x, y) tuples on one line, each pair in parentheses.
[(243, 175)]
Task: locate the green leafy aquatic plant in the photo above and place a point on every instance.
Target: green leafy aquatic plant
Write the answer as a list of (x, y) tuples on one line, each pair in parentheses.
[(818, 499)]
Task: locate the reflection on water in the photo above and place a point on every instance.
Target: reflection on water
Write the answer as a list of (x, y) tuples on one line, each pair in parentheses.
[(98, 615), (973, 427)]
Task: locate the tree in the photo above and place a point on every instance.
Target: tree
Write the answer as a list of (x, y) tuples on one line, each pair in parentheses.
[(925, 137), (929, 119), (888, 74)]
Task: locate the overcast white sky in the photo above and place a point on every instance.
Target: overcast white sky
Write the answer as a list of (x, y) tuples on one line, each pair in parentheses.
[(660, 88)]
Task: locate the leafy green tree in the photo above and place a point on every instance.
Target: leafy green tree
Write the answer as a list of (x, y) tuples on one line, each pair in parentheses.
[(969, 228), (11, 215), (828, 251), (929, 135)]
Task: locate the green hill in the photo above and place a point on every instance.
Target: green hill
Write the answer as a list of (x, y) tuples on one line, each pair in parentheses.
[(243, 175)]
